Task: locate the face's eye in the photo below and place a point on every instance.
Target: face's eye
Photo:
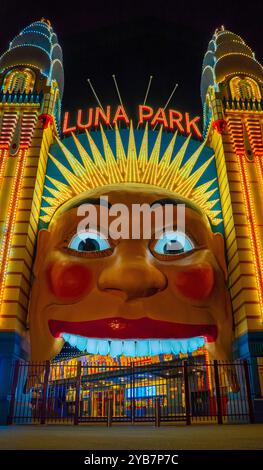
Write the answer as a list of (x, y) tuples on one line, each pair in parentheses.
[(173, 243), (89, 242)]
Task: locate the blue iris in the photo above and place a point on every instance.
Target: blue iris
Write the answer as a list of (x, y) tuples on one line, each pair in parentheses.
[(173, 243), (89, 242)]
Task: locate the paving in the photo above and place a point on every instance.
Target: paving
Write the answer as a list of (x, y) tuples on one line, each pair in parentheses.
[(143, 437)]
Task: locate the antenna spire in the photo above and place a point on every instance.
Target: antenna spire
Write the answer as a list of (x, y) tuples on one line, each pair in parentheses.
[(96, 96), (168, 101), (117, 89)]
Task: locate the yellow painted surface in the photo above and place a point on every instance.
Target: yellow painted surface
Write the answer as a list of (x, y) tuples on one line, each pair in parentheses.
[(244, 290), (18, 277)]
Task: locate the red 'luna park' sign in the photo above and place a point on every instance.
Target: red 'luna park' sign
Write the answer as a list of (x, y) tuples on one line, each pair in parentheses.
[(170, 119)]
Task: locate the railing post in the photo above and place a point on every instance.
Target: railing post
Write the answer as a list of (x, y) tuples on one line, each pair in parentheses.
[(77, 399), (45, 392), (157, 412), (218, 395), (249, 395), (109, 412), (13, 393), (187, 394)]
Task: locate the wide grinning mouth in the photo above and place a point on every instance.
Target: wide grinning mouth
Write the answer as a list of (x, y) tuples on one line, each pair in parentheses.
[(139, 337)]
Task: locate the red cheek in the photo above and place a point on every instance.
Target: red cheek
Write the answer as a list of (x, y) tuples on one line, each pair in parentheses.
[(69, 281), (195, 282)]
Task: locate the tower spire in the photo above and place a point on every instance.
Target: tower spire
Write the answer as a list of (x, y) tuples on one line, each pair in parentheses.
[(231, 90)]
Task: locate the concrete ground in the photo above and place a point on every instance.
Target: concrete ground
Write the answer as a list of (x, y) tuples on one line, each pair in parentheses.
[(143, 437)]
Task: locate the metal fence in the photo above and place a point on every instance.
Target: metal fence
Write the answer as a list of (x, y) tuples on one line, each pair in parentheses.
[(172, 391)]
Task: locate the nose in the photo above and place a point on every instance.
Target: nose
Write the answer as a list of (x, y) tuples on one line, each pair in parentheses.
[(134, 278)]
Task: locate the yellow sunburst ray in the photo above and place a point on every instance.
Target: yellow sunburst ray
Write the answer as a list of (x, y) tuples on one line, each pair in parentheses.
[(187, 186), (98, 159), (187, 168), (59, 185), (150, 174), (205, 195), (61, 197), (95, 176), (77, 184), (49, 212), (76, 166), (45, 218), (170, 175), (211, 204), (132, 170), (203, 188), (212, 214), (143, 153), (56, 195), (166, 158), (113, 169), (91, 171), (120, 153)]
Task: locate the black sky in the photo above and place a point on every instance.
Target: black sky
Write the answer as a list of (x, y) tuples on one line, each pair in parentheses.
[(135, 39)]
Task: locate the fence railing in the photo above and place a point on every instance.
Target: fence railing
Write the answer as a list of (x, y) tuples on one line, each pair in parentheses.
[(175, 391)]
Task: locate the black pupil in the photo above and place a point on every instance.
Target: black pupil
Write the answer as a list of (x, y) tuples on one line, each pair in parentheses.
[(168, 245), (89, 245)]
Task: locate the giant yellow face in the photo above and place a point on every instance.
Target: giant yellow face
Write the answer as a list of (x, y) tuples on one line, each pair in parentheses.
[(129, 296)]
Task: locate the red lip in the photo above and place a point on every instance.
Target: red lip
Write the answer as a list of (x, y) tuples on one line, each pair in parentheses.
[(122, 328)]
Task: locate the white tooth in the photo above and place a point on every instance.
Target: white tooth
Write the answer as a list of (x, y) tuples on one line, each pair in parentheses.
[(81, 343), (142, 347), (166, 346), (72, 340), (133, 348), (103, 347), (175, 347), (155, 347), (190, 345), (195, 343), (115, 348), (200, 341), (66, 337), (129, 348), (183, 346), (92, 346)]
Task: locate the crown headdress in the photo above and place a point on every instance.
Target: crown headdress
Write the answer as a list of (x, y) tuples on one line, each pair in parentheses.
[(166, 171)]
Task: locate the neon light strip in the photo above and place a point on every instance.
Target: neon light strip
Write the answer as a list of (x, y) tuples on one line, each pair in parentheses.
[(255, 240), (10, 220), (208, 370), (3, 161)]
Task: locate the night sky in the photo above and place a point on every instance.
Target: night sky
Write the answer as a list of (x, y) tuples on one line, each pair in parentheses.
[(133, 40)]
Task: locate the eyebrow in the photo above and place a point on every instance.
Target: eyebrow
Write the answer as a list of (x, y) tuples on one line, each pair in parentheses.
[(188, 204), (176, 202), (94, 201)]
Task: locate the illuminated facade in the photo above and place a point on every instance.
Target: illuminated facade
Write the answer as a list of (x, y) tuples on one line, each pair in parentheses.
[(231, 90), (46, 173)]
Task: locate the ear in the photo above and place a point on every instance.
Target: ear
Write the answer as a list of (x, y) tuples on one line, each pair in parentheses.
[(42, 243), (219, 250)]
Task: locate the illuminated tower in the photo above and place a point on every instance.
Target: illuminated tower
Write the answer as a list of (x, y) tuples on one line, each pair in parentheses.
[(231, 89), (31, 87)]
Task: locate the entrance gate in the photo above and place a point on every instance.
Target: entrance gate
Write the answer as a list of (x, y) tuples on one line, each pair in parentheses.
[(172, 391)]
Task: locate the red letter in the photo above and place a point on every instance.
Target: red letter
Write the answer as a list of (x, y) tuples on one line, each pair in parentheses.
[(160, 117), (100, 114), (65, 128), (79, 119), (192, 124), (121, 115), (175, 119), (144, 117)]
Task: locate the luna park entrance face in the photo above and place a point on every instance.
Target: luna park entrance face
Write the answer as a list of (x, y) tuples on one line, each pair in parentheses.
[(173, 391)]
